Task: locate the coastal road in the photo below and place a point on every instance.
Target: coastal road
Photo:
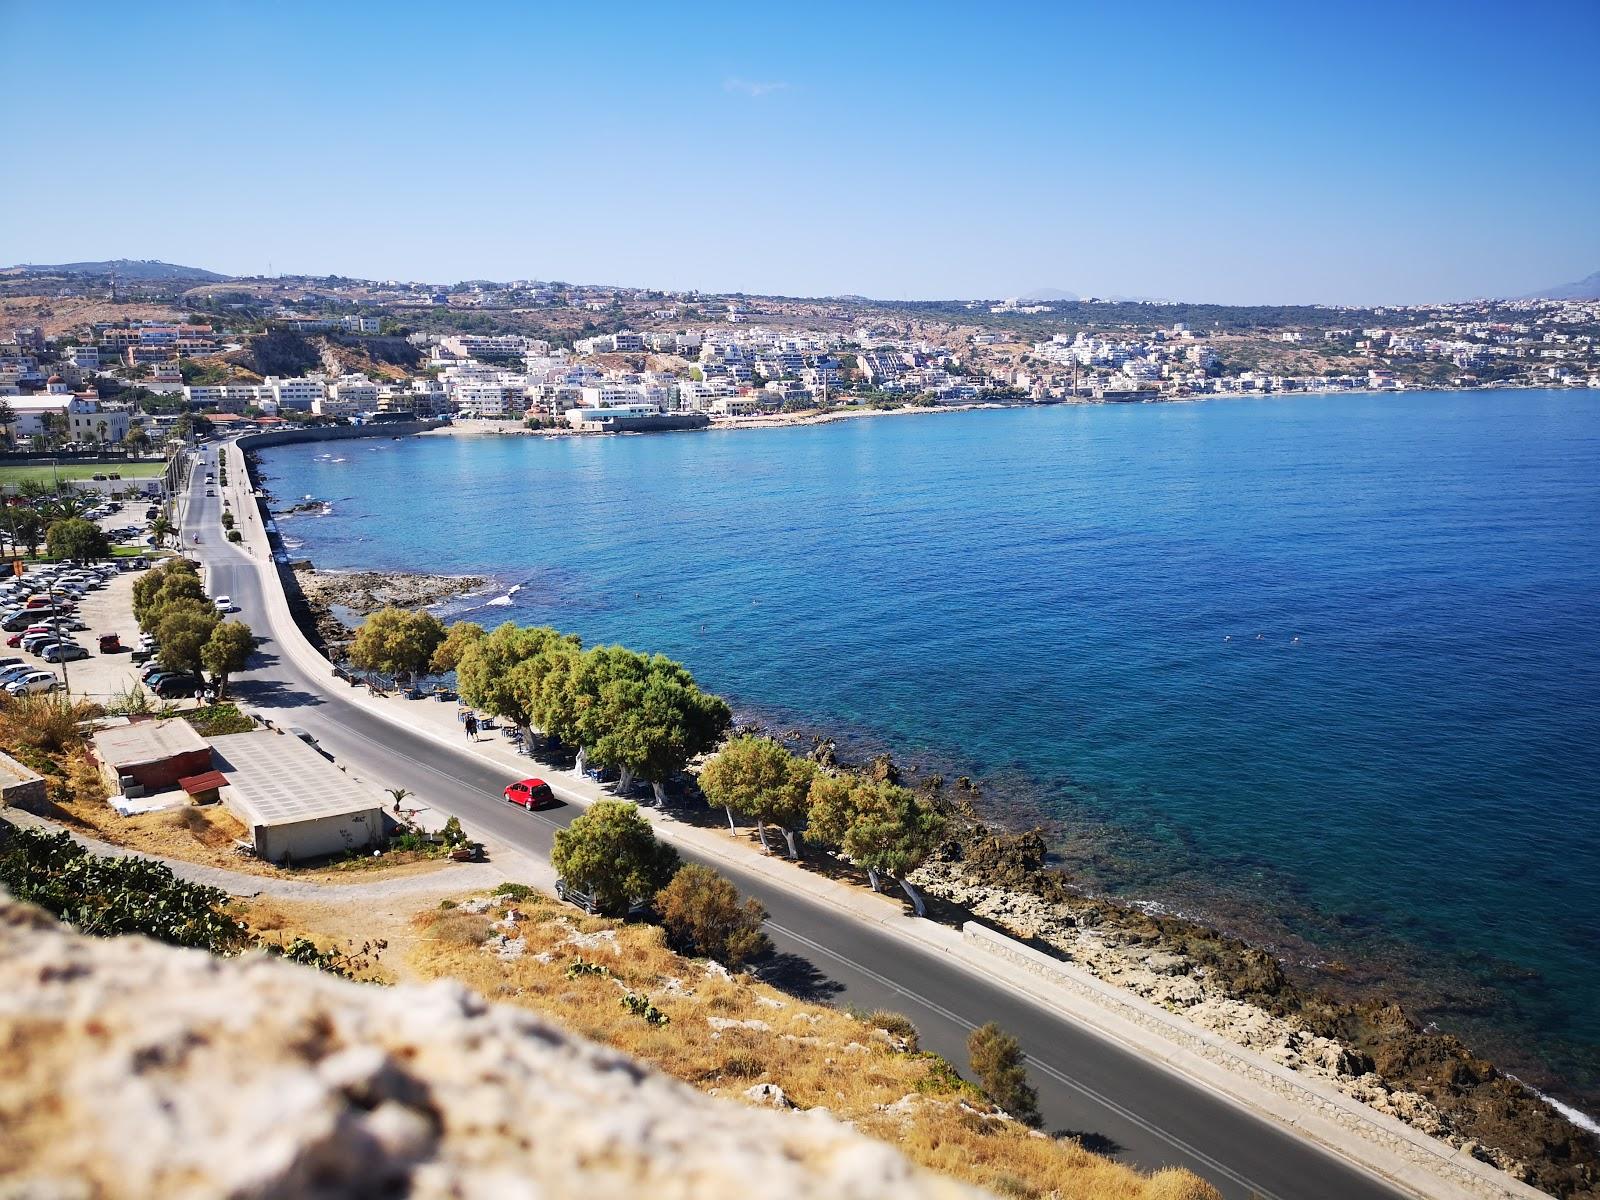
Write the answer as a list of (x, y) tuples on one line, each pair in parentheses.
[(1119, 1102)]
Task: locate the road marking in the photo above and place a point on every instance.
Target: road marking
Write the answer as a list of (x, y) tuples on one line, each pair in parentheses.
[(1045, 1068)]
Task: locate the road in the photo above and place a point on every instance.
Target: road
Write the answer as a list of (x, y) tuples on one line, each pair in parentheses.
[(1118, 1102)]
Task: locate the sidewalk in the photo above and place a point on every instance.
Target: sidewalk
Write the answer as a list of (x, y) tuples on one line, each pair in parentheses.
[(1385, 1146)]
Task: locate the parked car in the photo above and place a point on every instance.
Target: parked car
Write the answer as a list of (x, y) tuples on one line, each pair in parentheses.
[(531, 794), (575, 894), (12, 674), (63, 652), (33, 685), (142, 655), (170, 687)]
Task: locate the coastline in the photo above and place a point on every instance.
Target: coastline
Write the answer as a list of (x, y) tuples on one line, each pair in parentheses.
[(1370, 1050), (1274, 1017), (503, 427)]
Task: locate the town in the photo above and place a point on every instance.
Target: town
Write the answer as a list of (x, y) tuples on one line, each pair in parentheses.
[(76, 374)]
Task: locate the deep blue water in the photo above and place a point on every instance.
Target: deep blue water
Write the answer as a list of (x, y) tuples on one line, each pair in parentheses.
[(1325, 668)]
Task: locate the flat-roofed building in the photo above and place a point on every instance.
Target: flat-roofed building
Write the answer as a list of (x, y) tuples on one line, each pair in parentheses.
[(295, 803), (152, 755)]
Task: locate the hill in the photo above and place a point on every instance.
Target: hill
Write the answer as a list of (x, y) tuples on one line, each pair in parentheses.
[(126, 268), (1048, 294), (1584, 289)]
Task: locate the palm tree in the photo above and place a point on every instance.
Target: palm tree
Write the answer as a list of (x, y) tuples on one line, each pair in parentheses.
[(160, 528), (8, 418), (100, 428)]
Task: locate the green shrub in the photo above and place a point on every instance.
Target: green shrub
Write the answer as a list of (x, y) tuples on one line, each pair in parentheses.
[(235, 536), (515, 891), (640, 1006)]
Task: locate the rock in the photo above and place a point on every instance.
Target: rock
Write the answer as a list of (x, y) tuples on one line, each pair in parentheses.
[(139, 1071), (769, 1094)]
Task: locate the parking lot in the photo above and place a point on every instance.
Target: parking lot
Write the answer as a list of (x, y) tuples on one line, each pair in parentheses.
[(104, 677)]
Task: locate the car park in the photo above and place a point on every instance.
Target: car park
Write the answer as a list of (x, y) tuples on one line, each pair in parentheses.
[(531, 794)]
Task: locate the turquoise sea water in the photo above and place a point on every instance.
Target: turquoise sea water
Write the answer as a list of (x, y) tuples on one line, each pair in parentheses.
[(1326, 669)]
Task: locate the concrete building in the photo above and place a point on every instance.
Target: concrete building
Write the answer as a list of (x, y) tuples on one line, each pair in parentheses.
[(143, 757), (295, 803), (297, 395)]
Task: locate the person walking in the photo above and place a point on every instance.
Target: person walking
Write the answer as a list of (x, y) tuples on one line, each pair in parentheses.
[(472, 727)]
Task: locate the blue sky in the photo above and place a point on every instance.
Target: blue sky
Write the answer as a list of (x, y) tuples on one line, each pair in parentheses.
[(1284, 152)]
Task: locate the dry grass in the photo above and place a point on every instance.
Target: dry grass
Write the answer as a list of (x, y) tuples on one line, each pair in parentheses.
[(728, 1033)]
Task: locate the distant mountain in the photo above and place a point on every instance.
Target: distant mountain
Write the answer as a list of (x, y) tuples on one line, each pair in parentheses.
[(126, 268), (1045, 295), (1584, 289)]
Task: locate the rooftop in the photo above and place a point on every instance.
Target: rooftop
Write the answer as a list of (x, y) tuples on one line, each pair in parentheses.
[(277, 779), (142, 742)]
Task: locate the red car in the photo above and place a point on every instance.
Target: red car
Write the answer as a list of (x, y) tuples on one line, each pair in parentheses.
[(531, 794)]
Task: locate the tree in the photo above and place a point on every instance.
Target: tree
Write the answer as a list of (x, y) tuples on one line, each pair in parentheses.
[(501, 672), (184, 628), (649, 726), (832, 806), (879, 825), (703, 914), (460, 636), (154, 590), (24, 527), (137, 441), (227, 651), (8, 419), (77, 539), (757, 778), (612, 853), (160, 528), (397, 642), (893, 832), (997, 1061)]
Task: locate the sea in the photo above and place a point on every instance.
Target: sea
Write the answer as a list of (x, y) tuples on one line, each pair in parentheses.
[(1323, 670)]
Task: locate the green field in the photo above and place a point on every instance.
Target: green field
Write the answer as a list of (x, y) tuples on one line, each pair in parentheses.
[(49, 472)]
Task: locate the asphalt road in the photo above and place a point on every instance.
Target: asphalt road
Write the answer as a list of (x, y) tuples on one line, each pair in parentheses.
[(1118, 1102)]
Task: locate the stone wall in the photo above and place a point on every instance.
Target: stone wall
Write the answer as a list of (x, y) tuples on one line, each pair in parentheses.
[(334, 433), (138, 1070), (20, 786)]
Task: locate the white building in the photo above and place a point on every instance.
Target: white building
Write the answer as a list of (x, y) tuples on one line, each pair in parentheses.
[(297, 395)]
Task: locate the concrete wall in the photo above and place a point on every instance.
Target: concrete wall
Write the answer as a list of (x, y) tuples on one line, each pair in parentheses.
[(334, 433), (20, 786), (319, 838)]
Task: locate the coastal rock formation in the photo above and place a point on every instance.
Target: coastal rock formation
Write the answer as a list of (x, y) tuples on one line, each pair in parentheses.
[(1372, 1052), (138, 1070), (364, 592)]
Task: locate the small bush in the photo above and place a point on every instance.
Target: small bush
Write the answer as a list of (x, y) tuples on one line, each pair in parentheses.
[(515, 891), (235, 536), (446, 905), (996, 1059), (582, 966), (896, 1025), (703, 914), (218, 719)]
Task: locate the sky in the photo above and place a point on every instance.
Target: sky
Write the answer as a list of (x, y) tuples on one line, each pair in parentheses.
[(1238, 153)]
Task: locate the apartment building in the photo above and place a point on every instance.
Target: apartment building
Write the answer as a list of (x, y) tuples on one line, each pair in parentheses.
[(296, 395)]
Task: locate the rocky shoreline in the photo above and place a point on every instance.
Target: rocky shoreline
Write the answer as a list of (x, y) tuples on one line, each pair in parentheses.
[(1372, 1051), (364, 592)]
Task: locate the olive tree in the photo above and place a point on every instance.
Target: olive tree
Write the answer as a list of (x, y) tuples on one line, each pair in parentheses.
[(881, 826), (757, 778)]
